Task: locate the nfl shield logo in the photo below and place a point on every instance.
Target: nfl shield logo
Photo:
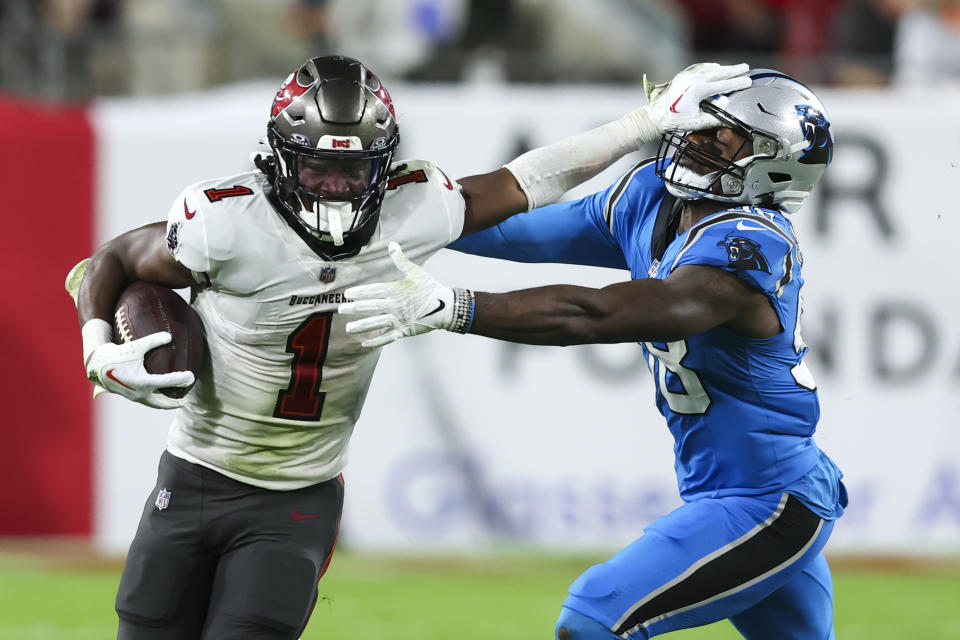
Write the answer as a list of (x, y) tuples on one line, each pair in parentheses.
[(163, 499), (328, 274)]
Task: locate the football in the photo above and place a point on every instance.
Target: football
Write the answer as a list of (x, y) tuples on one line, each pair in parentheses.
[(145, 308)]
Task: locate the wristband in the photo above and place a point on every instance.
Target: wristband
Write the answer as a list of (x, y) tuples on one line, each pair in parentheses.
[(463, 306), (95, 333)]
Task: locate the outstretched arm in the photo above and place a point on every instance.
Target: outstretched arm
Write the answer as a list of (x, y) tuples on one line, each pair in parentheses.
[(691, 300), (541, 176)]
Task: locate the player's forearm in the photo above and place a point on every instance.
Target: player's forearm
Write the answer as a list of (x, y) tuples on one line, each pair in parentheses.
[(555, 315), (546, 173), (638, 310)]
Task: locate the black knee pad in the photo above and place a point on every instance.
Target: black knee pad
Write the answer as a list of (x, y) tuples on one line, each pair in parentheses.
[(153, 585), (280, 590)]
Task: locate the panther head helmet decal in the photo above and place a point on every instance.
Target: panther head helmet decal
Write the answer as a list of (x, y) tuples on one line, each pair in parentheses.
[(816, 131)]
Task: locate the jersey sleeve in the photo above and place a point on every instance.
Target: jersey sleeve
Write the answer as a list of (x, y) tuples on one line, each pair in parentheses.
[(752, 247), (590, 231), (194, 239), (568, 232)]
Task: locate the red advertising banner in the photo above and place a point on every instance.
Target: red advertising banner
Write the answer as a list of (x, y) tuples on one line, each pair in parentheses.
[(47, 175)]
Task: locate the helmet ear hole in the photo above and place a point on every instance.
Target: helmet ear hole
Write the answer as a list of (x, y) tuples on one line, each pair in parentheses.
[(305, 76), (777, 178)]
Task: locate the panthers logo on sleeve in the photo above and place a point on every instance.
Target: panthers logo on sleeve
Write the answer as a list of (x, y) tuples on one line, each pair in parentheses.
[(743, 254)]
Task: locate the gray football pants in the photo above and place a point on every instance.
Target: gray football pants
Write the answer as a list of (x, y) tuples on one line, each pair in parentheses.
[(224, 560)]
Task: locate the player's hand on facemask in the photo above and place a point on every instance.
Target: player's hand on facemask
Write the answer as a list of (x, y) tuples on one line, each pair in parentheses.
[(119, 368), (408, 307), (675, 105)]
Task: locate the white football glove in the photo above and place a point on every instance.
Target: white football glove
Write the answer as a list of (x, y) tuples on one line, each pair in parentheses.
[(675, 105), (404, 308), (119, 368)]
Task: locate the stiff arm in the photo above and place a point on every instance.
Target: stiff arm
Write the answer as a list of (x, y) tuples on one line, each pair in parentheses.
[(691, 300)]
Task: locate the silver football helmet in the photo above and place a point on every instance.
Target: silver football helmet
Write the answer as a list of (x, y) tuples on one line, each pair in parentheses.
[(792, 146), (333, 131)]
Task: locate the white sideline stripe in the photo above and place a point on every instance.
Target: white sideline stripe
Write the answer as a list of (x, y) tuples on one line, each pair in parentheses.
[(745, 585), (704, 560), (694, 567)]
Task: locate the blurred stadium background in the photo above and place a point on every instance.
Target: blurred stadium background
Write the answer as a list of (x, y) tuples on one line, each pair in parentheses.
[(483, 476)]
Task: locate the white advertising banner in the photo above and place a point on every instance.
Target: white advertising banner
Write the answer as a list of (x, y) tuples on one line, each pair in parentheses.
[(466, 442)]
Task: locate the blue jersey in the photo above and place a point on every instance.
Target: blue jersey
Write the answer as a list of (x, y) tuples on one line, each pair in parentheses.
[(742, 411)]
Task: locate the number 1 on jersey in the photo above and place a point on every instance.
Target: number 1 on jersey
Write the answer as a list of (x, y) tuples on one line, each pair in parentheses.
[(302, 399)]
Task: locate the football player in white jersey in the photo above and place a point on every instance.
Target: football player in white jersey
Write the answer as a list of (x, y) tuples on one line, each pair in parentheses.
[(245, 514)]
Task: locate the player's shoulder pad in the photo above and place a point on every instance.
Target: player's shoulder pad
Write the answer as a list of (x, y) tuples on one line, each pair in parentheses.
[(754, 244), (421, 189), (202, 222), (634, 194)]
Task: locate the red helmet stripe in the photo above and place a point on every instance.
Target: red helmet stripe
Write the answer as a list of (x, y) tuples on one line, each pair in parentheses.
[(385, 98), (287, 92)]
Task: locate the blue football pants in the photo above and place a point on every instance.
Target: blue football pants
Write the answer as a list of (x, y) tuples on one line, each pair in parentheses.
[(755, 560)]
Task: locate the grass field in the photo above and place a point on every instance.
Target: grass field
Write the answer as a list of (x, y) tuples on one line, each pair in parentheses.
[(68, 594)]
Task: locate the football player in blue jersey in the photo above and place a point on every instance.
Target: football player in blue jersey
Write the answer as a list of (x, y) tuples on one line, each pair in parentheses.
[(714, 301)]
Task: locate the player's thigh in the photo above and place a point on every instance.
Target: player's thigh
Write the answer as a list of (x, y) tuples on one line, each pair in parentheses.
[(704, 562), (265, 588), (167, 576), (802, 609), (163, 594)]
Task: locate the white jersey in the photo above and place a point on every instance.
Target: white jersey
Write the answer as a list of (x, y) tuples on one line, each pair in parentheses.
[(276, 404)]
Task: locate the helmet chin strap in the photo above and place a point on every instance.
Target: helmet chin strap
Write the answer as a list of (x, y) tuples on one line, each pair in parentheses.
[(336, 225)]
